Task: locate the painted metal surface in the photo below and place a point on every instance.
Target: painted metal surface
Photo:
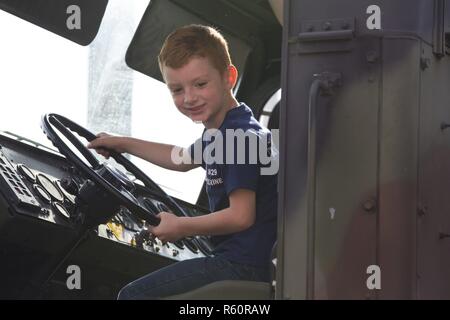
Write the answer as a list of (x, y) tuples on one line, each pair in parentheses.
[(382, 169)]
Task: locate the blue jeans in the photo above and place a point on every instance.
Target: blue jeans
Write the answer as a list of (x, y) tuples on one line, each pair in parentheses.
[(187, 275)]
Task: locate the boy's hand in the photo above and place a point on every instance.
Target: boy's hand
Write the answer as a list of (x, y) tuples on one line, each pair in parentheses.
[(169, 229), (106, 142)]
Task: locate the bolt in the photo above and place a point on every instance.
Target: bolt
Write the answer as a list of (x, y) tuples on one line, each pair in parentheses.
[(425, 63), (327, 26), (444, 126), (443, 235), (369, 205), (422, 211), (371, 56)]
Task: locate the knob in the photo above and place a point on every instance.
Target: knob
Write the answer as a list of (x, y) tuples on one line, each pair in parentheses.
[(109, 233), (70, 186)]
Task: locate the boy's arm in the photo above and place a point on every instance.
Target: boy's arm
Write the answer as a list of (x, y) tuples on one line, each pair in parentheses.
[(160, 154), (239, 216), (156, 153)]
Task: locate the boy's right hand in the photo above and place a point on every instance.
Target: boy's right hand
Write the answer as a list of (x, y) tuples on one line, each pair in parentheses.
[(105, 143)]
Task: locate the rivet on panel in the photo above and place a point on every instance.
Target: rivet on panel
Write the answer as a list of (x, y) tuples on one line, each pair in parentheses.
[(444, 126), (443, 235), (327, 26), (425, 63), (422, 210), (345, 26), (369, 205), (371, 56)]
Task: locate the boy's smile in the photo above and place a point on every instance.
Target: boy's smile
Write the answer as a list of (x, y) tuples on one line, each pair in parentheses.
[(200, 92)]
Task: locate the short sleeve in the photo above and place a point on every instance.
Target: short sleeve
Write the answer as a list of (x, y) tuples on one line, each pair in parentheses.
[(243, 172), (241, 176)]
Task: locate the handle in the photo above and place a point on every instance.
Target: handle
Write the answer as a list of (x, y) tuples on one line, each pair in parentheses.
[(323, 83)]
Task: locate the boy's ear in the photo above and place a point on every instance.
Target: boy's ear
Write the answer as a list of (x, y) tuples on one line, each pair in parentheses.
[(232, 76)]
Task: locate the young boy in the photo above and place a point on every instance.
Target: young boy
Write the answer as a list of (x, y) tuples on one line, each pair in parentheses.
[(197, 69)]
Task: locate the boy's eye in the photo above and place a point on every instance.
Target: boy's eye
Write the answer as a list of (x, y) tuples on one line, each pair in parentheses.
[(176, 90), (201, 84)]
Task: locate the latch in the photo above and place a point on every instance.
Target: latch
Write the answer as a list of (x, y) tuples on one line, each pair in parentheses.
[(324, 30), (325, 35)]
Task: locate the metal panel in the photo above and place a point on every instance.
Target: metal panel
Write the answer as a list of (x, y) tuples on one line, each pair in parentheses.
[(398, 167), (344, 241), (345, 231), (433, 228), (54, 15), (418, 19), (161, 18), (291, 259), (447, 16), (382, 158)]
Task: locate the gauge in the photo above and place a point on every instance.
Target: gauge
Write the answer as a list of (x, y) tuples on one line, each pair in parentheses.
[(69, 197), (204, 247), (60, 209), (191, 245), (179, 244), (43, 195), (150, 206), (50, 187), (27, 173), (163, 207)]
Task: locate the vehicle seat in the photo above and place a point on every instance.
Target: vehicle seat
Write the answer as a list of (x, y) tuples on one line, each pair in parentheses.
[(233, 289), (228, 290)]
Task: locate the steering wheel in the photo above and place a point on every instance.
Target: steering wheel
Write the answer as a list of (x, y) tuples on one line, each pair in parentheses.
[(111, 180)]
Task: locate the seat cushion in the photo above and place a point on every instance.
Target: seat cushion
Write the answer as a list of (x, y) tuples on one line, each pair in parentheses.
[(228, 290)]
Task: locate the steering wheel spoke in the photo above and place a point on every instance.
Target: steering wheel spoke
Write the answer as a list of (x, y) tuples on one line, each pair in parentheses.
[(75, 142)]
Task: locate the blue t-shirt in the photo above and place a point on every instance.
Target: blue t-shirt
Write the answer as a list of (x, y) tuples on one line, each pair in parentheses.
[(230, 166)]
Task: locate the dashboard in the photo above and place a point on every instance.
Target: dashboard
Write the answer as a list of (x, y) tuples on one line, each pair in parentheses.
[(42, 234)]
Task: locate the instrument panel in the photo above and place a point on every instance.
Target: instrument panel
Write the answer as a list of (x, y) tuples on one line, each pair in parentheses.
[(37, 194), (41, 219)]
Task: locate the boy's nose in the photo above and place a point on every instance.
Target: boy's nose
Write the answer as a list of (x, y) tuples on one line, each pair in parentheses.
[(189, 97)]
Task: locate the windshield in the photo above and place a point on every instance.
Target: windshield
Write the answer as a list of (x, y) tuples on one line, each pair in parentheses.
[(42, 73)]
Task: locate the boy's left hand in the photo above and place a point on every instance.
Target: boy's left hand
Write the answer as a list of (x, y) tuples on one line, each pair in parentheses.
[(169, 229)]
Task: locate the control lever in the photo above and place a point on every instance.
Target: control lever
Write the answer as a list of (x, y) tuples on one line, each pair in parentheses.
[(70, 186), (144, 236)]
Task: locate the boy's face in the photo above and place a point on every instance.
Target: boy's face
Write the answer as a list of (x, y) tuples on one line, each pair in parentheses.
[(199, 90)]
